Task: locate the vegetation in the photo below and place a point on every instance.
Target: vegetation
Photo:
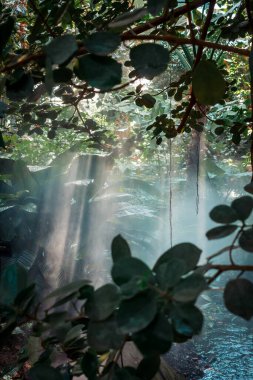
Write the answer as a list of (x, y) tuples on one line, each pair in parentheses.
[(72, 74)]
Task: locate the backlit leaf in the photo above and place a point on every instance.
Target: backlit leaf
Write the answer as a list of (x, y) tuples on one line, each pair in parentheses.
[(127, 268), (246, 240), (238, 297), (149, 59), (136, 313), (60, 49), (187, 319), (223, 214), (103, 302), (189, 288), (169, 273), (208, 84), (186, 252), (102, 43), (105, 335), (243, 207), (120, 248), (99, 72), (156, 338)]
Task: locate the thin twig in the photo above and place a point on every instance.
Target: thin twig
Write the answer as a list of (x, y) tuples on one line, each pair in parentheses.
[(223, 250)]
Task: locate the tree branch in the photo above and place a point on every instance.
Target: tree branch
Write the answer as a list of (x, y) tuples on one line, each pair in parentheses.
[(166, 17), (170, 38)]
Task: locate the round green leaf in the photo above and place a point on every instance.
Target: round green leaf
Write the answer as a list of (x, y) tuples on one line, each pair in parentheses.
[(243, 207), (156, 338), (223, 214), (238, 297), (220, 232), (105, 335), (60, 49), (149, 59), (102, 43), (186, 252), (188, 289), (169, 273), (246, 240), (99, 72), (125, 269), (136, 313), (208, 84), (187, 319), (103, 302)]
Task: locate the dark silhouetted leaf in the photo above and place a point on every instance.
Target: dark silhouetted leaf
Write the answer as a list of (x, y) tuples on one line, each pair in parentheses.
[(169, 273), (103, 302), (219, 130), (149, 59), (246, 240), (120, 248), (189, 288), (6, 29), (221, 232), (186, 252), (136, 313), (156, 6), (62, 75), (238, 297), (148, 367), (20, 86), (249, 188), (99, 72), (156, 338), (243, 207), (127, 268), (148, 101), (102, 43), (42, 372), (90, 364), (105, 335), (187, 319), (3, 108), (208, 84), (61, 48), (223, 214)]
